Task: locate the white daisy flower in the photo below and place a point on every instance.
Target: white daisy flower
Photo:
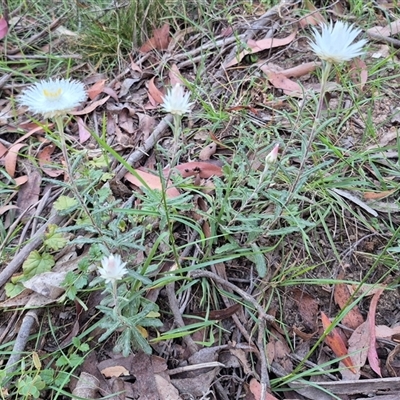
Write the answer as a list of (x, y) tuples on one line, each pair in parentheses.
[(176, 101), (53, 97), (335, 43), (112, 268)]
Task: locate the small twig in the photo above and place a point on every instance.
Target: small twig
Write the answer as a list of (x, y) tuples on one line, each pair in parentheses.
[(264, 363), (21, 340), (147, 146), (173, 303), (379, 38), (242, 293)]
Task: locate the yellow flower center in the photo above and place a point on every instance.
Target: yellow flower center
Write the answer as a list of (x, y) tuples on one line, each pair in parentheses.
[(52, 94)]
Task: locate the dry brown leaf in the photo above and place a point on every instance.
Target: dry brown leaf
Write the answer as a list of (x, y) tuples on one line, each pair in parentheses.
[(359, 72), (378, 195), (10, 159), (358, 344), (91, 107), (308, 308), (255, 388), (313, 18), (342, 296), (208, 151), (166, 390), (259, 45), (159, 41), (384, 332), (44, 157), (117, 370), (205, 170), (83, 131), (389, 30), (48, 284), (152, 181), (96, 89), (3, 150), (146, 124), (373, 358), (29, 193), (154, 93), (336, 344), (288, 86)]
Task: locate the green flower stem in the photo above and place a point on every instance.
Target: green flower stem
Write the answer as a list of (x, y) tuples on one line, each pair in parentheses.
[(324, 79), (177, 131), (60, 127)]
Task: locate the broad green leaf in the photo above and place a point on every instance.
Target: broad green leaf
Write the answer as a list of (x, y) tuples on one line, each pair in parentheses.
[(64, 203), (14, 290), (37, 263), (54, 241)]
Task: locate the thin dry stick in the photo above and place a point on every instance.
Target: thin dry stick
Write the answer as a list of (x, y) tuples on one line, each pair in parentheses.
[(173, 303), (21, 340), (242, 293), (264, 363)]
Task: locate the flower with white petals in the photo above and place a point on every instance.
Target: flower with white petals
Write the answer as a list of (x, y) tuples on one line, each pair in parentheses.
[(335, 43), (112, 268), (53, 97), (176, 102)]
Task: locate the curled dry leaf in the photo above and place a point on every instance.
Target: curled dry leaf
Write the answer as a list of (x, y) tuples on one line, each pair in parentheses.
[(342, 296), (372, 354), (255, 388), (44, 158), (288, 86), (91, 107), (203, 169), (10, 159), (96, 89), (84, 133), (208, 151), (156, 96), (336, 344), (259, 45), (152, 181), (3, 28), (117, 370), (159, 41)]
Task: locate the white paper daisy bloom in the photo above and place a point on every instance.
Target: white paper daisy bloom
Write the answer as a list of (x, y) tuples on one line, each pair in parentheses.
[(335, 43), (112, 268), (53, 97), (176, 101)]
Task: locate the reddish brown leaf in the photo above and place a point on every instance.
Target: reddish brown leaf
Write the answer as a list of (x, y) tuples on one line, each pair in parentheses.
[(336, 344), (154, 92), (3, 150), (342, 295), (96, 89), (203, 169), (83, 131), (152, 181), (44, 158), (308, 309), (288, 86), (358, 348), (259, 45), (208, 151), (372, 354), (91, 107), (255, 388), (10, 160), (3, 28), (159, 41), (359, 72), (378, 195), (313, 18), (295, 72)]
